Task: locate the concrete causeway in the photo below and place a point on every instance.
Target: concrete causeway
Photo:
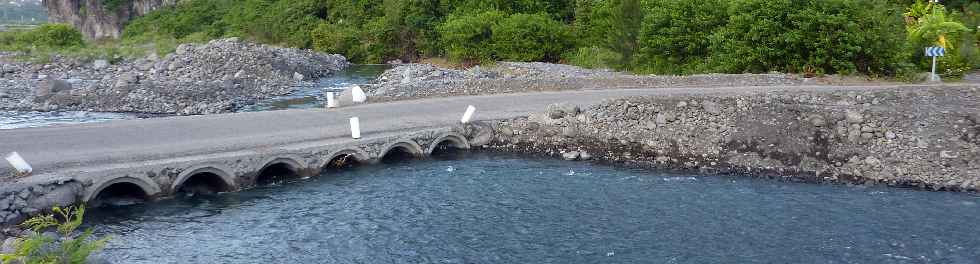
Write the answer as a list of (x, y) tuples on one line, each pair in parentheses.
[(158, 157)]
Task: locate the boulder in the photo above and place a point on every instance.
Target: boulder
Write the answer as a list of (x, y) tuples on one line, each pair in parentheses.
[(346, 98), (100, 64), (561, 110), (854, 117), (61, 196), (50, 86), (571, 155), (9, 245), (126, 80)]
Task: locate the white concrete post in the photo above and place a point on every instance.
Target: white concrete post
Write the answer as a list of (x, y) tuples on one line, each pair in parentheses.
[(19, 163), (355, 128), (331, 103), (933, 76), (357, 95), (468, 114)]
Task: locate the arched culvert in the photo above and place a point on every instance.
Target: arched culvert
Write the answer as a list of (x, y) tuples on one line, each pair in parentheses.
[(278, 171), (343, 160), (121, 192), (448, 145), (401, 151), (206, 183)]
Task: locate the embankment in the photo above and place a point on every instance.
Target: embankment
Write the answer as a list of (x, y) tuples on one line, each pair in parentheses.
[(911, 137), (412, 81)]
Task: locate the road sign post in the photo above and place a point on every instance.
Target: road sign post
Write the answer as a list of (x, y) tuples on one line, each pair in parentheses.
[(934, 52)]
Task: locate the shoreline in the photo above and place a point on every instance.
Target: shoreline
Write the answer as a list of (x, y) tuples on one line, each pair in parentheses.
[(765, 135)]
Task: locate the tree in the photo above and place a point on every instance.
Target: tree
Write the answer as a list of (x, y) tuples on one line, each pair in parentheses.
[(626, 17)]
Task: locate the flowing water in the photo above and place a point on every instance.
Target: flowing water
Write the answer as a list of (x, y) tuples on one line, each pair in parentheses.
[(306, 96), (313, 96), (493, 208), (25, 119)]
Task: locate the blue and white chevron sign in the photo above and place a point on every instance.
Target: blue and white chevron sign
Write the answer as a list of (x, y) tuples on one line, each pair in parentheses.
[(935, 52)]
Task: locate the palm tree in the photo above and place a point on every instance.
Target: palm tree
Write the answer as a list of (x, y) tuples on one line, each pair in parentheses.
[(934, 27)]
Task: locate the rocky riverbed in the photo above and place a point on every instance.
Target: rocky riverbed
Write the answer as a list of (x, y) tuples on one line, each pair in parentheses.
[(216, 77), (926, 137), (410, 81)]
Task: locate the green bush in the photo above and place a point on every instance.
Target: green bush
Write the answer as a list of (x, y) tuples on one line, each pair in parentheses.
[(469, 37), (828, 36), (675, 36), (530, 37), (56, 36), (44, 37)]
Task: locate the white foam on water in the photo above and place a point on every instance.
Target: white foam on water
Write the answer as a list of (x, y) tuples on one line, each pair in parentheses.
[(680, 179)]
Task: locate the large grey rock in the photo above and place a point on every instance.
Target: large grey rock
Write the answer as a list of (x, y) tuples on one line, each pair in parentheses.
[(346, 98), (561, 110), (100, 64), (9, 245), (50, 86), (854, 117), (571, 155), (127, 79), (61, 196)]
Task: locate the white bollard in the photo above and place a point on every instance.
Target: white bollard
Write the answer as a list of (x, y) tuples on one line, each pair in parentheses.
[(355, 128), (468, 115), (19, 163), (331, 103), (357, 95)]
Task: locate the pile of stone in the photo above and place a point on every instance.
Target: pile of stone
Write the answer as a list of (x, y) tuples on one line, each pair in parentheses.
[(927, 137), (216, 77), (422, 80)]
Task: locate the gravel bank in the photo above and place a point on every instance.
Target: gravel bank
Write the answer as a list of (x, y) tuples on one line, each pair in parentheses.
[(217, 77), (918, 137), (422, 80)]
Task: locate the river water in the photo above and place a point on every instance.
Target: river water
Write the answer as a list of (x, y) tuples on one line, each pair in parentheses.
[(495, 208), (306, 96)]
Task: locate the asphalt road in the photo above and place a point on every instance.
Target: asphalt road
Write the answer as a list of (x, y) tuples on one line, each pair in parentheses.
[(51, 148)]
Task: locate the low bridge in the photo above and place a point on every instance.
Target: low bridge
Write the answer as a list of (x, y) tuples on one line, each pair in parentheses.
[(160, 157)]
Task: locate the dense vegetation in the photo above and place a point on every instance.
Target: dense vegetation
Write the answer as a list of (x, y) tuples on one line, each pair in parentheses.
[(47, 36), (875, 37)]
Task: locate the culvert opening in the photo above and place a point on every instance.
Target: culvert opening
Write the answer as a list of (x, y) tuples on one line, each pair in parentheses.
[(277, 173), (204, 183), (398, 154), (448, 149), (120, 194), (341, 162)]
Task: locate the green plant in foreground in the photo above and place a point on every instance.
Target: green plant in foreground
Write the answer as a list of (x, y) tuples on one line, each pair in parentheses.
[(39, 248)]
